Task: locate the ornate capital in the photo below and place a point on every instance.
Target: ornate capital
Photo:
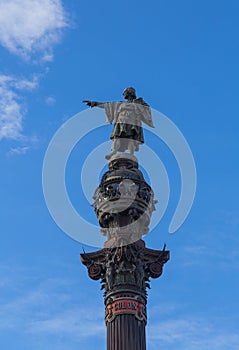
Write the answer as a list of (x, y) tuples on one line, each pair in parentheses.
[(127, 267)]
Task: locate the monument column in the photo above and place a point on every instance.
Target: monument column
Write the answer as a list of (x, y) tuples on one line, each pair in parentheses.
[(124, 203)]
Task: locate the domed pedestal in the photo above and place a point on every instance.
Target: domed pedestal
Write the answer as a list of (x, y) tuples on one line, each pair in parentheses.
[(123, 202)]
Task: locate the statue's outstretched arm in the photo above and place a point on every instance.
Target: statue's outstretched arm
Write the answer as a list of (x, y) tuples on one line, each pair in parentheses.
[(94, 104)]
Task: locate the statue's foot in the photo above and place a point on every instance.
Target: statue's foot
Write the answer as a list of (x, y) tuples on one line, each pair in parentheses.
[(108, 156)]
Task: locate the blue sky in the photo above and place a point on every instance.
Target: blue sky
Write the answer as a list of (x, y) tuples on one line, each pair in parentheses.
[(182, 58)]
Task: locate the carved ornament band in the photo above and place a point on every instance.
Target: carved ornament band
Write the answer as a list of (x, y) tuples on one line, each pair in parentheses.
[(128, 306)]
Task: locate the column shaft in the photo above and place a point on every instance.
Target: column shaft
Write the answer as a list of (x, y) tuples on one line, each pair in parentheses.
[(125, 332)]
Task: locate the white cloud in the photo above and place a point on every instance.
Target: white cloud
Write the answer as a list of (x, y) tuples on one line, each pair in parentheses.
[(18, 151), (31, 26), (50, 101), (12, 107), (28, 28), (47, 57)]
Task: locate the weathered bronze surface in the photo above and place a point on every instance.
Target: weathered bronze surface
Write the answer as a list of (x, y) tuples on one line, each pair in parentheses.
[(125, 274), (124, 203), (127, 117)]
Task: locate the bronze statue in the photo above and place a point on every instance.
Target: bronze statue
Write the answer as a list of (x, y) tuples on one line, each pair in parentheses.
[(127, 117)]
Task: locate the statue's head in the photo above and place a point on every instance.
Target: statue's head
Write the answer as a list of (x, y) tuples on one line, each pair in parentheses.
[(129, 93)]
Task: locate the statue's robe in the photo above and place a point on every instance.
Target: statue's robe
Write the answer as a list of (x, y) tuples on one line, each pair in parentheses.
[(127, 118)]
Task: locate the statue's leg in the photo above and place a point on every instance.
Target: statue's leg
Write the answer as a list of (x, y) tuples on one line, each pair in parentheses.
[(115, 148), (115, 145), (131, 147)]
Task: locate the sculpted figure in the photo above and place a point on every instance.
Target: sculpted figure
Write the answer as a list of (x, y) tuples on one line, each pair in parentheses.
[(127, 116), (110, 270)]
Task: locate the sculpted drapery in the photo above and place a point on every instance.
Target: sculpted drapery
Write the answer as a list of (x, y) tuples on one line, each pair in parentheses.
[(127, 117)]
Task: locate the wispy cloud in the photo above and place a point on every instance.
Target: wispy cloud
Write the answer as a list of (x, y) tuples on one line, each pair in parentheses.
[(18, 151), (42, 309), (12, 107), (50, 101), (28, 27), (70, 323), (47, 307), (217, 240), (192, 333)]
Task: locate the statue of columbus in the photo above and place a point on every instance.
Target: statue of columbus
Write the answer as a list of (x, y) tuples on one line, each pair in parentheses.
[(127, 116)]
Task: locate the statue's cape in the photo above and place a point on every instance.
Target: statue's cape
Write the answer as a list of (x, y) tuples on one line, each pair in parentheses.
[(146, 115), (111, 110)]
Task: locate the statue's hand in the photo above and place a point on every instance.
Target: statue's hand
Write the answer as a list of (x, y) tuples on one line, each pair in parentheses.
[(90, 103)]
